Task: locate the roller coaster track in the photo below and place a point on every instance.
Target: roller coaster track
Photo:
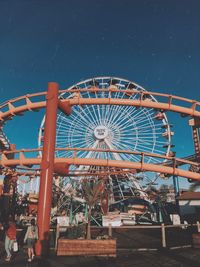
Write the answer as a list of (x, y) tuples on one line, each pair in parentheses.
[(184, 160), (34, 102), (21, 160), (22, 104)]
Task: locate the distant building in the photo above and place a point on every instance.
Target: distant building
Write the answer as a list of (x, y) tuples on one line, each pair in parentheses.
[(189, 203)]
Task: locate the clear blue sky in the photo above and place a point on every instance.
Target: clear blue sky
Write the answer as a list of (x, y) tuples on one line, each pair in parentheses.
[(152, 42)]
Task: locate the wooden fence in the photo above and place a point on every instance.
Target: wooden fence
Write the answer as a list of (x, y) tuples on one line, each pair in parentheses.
[(152, 237), (156, 236)]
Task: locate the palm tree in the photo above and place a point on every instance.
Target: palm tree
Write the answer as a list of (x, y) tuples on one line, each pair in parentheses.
[(92, 191)]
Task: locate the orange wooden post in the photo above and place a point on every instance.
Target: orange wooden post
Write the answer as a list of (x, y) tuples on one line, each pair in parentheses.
[(47, 168)]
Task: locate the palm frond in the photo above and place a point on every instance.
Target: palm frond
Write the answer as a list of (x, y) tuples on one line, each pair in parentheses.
[(92, 191)]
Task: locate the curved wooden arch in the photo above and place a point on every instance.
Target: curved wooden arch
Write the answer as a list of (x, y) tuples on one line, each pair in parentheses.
[(10, 109), (105, 163), (168, 160)]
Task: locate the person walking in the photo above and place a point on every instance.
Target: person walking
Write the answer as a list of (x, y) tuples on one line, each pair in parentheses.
[(10, 238), (30, 238)]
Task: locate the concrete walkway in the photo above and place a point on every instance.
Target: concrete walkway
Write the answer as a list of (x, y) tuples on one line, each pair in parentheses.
[(187, 257), (127, 255)]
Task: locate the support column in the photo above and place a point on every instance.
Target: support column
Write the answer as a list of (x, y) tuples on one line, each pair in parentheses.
[(47, 169)]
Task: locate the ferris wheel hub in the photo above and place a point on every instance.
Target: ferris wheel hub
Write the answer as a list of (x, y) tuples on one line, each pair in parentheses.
[(100, 132)]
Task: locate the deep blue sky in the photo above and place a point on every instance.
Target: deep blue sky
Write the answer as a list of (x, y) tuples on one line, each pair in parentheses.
[(152, 42)]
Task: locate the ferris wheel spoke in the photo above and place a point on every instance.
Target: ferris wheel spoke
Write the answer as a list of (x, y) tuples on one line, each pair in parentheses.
[(147, 134), (138, 118), (113, 109), (70, 123), (116, 95), (148, 129), (95, 114), (86, 120), (106, 114), (154, 160), (149, 112), (142, 120), (64, 154), (80, 143), (91, 115), (121, 118), (127, 146), (75, 132), (126, 123), (122, 121), (131, 115), (137, 113), (131, 158), (116, 115), (134, 96), (148, 137), (146, 147), (83, 117), (128, 135), (100, 114), (145, 141), (111, 119)]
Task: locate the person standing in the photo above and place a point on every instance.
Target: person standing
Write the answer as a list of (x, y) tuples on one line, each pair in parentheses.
[(30, 238), (10, 238)]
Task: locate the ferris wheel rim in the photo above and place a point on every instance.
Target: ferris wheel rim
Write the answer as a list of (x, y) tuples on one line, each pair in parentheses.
[(93, 115)]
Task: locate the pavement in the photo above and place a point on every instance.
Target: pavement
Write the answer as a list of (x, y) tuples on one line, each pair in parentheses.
[(187, 257), (178, 253)]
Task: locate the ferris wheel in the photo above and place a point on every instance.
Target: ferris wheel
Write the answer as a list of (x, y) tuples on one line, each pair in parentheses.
[(107, 129)]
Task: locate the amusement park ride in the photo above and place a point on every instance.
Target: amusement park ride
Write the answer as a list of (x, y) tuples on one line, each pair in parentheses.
[(107, 129)]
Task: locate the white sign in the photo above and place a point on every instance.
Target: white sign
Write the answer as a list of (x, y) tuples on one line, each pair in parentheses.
[(175, 219), (63, 220), (113, 220)]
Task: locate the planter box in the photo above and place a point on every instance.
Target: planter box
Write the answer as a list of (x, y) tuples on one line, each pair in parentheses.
[(67, 247)]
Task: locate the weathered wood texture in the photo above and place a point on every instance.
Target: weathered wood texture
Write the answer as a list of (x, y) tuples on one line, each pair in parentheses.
[(67, 247)]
